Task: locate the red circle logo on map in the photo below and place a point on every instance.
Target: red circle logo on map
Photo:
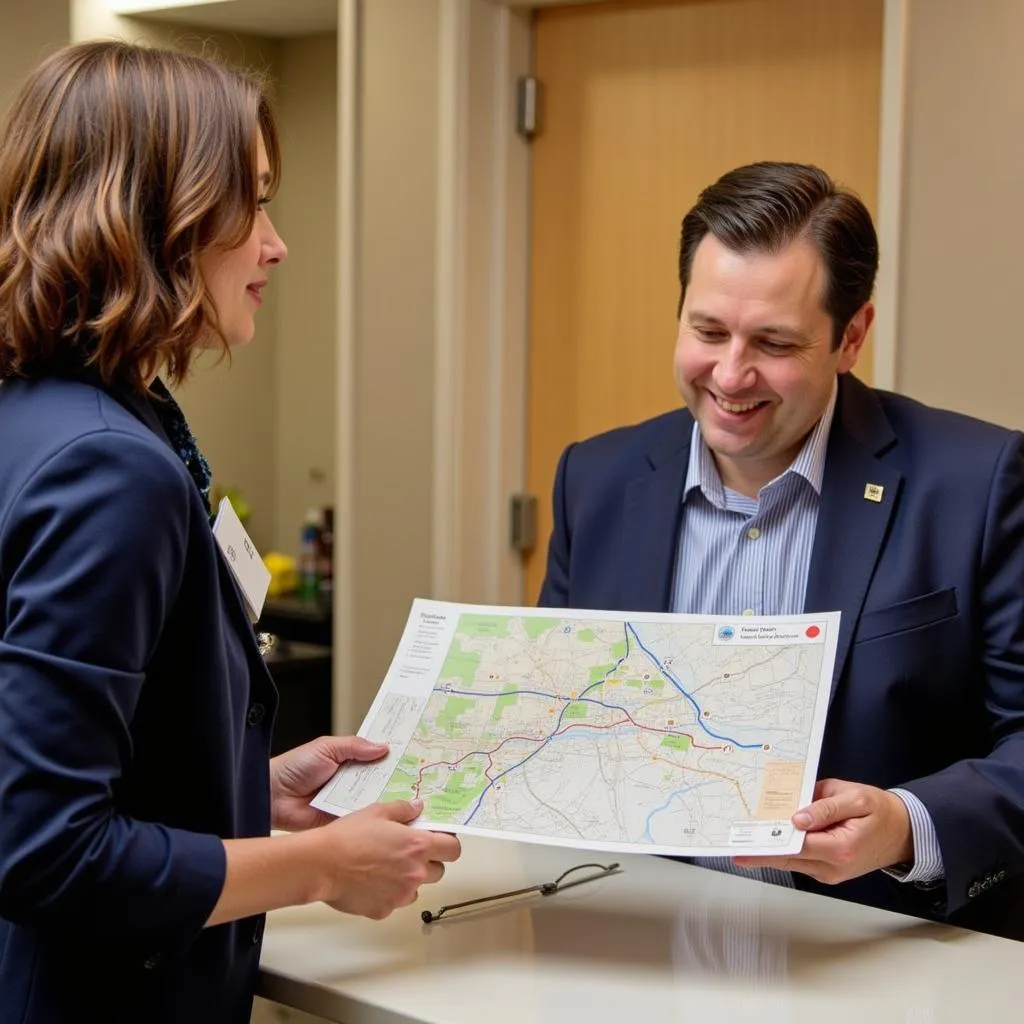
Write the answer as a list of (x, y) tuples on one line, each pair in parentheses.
[(812, 631)]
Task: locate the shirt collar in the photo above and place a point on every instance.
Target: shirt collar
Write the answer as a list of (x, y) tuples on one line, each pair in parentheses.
[(701, 472)]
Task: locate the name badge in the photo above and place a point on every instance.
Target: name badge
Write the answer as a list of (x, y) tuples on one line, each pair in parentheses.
[(251, 575)]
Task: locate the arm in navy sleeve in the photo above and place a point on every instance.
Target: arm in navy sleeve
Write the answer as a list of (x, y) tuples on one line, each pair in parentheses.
[(977, 804), (92, 552)]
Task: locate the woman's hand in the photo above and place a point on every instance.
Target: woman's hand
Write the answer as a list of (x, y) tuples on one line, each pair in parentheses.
[(297, 775)]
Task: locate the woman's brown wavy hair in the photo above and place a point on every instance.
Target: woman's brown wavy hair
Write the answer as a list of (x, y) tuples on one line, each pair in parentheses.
[(119, 165)]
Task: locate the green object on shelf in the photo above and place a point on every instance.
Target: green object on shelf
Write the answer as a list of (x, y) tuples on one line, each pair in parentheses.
[(237, 499)]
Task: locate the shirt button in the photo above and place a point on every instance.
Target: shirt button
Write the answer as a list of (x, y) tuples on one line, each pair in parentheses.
[(753, 533), (748, 611), (256, 713)]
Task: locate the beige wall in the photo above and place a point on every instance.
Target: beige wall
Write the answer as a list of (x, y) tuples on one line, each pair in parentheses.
[(494, 313), (91, 19), (394, 358), (28, 32), (305, 213), (959, 341)]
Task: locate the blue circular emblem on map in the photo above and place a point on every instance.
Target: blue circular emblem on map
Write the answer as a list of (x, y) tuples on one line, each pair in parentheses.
[(726, 633)]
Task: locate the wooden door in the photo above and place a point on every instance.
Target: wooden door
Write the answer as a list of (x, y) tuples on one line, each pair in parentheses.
[(643, 103)]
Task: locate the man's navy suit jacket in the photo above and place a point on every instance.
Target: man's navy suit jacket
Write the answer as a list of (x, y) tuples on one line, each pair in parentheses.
[(135, 717), (928, 691)]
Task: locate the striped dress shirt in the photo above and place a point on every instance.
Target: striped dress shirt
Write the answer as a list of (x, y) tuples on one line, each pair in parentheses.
[(752, 556)]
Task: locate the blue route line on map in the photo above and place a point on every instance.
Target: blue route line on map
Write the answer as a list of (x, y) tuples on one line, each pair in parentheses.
[(627, 629), (679, 686)]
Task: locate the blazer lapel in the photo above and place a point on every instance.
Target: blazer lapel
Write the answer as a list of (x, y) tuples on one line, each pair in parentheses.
[(651, 515), (858, 497)]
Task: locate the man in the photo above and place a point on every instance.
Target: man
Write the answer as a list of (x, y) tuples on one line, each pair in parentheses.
[(787, 486)]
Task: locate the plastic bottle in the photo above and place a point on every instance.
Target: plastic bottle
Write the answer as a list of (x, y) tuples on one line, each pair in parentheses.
[(325, 555), (309, 577)]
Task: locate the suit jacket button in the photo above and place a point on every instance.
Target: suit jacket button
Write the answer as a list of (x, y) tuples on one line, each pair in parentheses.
[(256, 713)]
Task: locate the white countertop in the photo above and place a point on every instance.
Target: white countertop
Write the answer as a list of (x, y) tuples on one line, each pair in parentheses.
[(660, 941)]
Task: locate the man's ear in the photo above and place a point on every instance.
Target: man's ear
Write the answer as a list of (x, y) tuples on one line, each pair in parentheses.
[(854, 336)]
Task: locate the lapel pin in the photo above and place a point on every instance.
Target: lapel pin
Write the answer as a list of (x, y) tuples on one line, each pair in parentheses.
[(873, 492)]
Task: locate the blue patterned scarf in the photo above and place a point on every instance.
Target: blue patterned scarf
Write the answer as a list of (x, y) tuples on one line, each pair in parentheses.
[(172, 419)]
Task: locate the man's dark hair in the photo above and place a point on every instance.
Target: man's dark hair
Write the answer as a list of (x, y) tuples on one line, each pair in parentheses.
[(763, 207)]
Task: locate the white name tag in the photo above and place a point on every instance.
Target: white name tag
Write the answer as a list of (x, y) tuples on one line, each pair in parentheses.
[(251, 575)]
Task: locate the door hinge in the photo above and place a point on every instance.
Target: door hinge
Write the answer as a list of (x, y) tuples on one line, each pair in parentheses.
[(523, 523), (527, 90)]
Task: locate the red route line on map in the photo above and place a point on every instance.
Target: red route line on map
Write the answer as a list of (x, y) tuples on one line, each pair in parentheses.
[(547, 739)]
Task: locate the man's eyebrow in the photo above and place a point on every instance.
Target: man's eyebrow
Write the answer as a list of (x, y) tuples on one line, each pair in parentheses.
[(785, 333), (779, 331)]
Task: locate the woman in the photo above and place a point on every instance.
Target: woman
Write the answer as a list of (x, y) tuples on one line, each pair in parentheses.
[(135, 709)]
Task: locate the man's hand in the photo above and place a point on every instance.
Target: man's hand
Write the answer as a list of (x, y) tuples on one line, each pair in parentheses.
[(851, 829), (296, 776)]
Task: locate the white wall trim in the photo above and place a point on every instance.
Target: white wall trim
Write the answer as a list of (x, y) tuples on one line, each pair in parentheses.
[(890, 193), (349, 104), (453, 101)]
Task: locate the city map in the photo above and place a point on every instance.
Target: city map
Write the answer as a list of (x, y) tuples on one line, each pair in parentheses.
[(679, 734)]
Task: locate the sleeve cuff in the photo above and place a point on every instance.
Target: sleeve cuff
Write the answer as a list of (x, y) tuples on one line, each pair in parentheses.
[(927, 866)]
